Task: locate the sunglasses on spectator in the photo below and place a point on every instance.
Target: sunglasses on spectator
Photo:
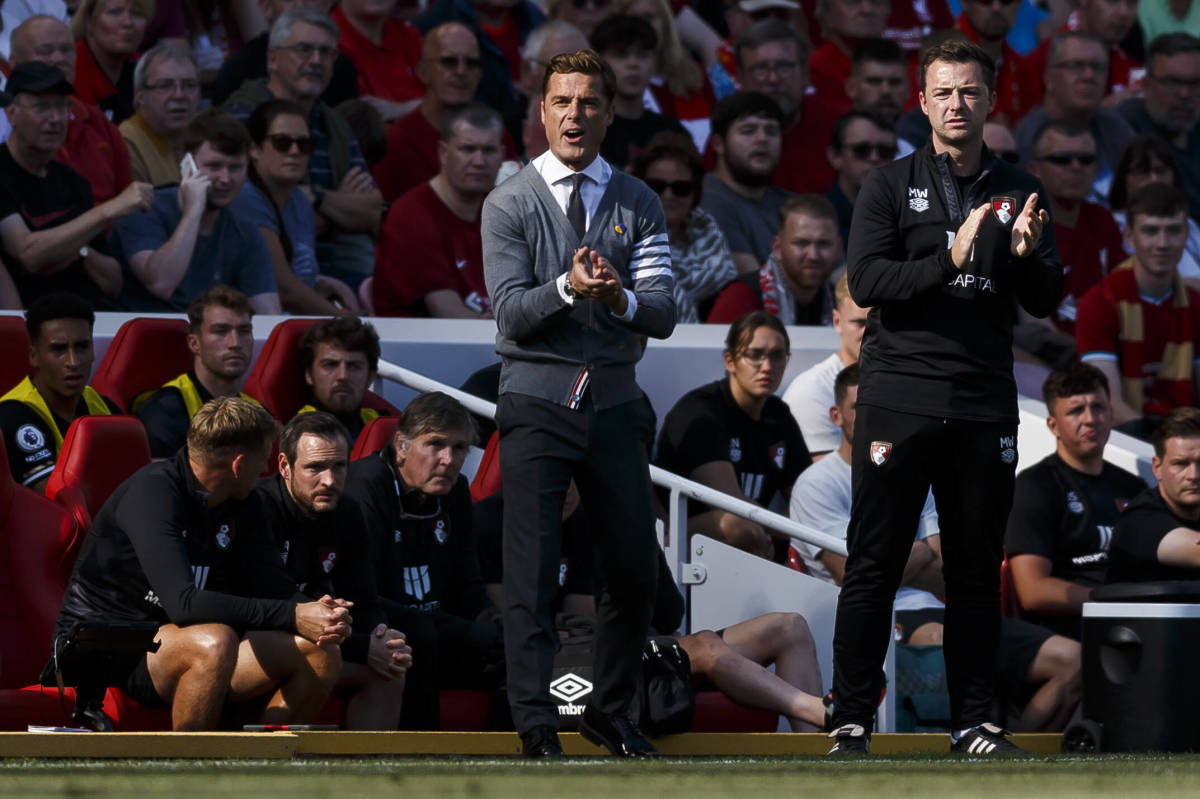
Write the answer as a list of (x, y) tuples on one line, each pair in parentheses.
[(1065, 159), (680, 188), (1011, 156), (863, 150), (756, 357), (284, 143), (596, 4), (453, 62)]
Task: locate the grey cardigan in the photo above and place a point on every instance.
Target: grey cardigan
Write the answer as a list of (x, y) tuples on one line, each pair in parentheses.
[(545, 343)]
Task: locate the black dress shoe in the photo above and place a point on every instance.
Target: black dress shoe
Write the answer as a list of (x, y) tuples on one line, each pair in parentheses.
[(618, 734), (541, 741)]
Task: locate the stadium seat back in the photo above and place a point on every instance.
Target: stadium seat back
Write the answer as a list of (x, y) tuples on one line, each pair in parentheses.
[(487, 475), (375, 436), (14, 351), (277, 381), (38, 539), (98, 454), (145, 353), (1010, 604)]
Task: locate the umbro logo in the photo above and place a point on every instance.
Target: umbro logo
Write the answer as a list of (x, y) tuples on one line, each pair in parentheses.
[(570, 687)]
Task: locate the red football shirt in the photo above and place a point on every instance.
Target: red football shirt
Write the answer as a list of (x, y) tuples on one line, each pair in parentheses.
[(828, 68), (1016, 82), (387, 69), (1089, 251), (95, 149), (803, 167), (423, 248)]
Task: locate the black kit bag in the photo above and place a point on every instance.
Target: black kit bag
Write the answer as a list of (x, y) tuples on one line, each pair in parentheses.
[(571, 681), (668, 704)]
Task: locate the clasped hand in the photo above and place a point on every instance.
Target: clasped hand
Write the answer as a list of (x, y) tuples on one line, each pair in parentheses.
[(1026, 232), (594, 278)]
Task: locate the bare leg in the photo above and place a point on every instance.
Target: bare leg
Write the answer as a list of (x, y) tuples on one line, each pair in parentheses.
[(374, 702), (748, 683), (192, 670), (1057, 667), (928, 634), (783, 639), (294, 673)]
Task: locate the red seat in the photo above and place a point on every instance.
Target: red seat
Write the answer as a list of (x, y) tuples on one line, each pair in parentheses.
[(716, 712), (375, 436), (487, 475), (98, 454), (795, 561), (14, 352), (277, 381), (145, 353), (1010, 604)]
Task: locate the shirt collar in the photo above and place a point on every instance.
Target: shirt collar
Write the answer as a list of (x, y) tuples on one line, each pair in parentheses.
[(554, 170)]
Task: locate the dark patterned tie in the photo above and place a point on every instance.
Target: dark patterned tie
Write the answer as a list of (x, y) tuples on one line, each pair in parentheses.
[(575, 213)]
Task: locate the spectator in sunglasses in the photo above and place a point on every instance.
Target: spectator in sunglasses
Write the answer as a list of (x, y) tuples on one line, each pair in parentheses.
[(1000, 141), (1089, 241), (987, 23), (700, 257), (190, 240), (273, 201), (1075, 75), (630, 46), (861, 141)]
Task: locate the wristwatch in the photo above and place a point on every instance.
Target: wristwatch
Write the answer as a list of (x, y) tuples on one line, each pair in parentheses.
[(568, 289)]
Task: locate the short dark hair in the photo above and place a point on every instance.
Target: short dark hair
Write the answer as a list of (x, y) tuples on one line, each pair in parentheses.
[(434, 411), (842, 383), (838, 135), (768, 31), (1183, 422), (584, 62), (264, 114), (317, 423), (1157, 199), (620, 33), (348, 332), (59, 305), (1078, 378), (221, 296), (960, 51), (671, 146), (368, 126), (742, 330), (1057, 41), (474, 114), (1169, 44), (878, 51), (731, 108), (221, 130), (815, 205), (1138, 156), (1063, 127)]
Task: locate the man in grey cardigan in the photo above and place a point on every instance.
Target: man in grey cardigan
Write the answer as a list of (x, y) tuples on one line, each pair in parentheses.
[(578, 267)]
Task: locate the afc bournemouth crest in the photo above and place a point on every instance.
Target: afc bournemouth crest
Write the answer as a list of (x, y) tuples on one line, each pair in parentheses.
[(777, 455), (327, 561), (440, 532), (1005, 208), (880, 452), (224, 536)]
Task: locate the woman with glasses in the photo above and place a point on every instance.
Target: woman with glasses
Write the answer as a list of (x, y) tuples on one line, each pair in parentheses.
[(273, 200), (108, 34), (736, 436), (680, 87), (1150, 159), (700, 257)]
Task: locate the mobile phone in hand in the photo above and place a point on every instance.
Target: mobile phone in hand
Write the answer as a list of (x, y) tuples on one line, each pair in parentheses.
[(187, 167)]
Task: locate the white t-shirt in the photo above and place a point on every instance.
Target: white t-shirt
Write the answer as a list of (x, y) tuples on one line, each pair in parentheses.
[(810, 397), (821, 500)]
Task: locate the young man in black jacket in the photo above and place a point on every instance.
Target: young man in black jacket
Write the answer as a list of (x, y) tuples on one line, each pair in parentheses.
[(323, 542), (943, 246)]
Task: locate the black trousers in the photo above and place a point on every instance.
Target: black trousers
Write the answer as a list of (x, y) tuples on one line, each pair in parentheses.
[(895, 460), (542, 446)]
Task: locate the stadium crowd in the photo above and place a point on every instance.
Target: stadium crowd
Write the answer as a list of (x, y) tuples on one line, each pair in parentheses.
[(331, 159)]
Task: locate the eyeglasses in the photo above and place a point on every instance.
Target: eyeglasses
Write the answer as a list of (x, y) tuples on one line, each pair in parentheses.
[(863, 150), (1079, 65), (596, 4), (282, 143), (1011, 156), (764, 70), (453, 62), (1066, 159), (756, 357), (306, 50), (186, 85), (680, 188)]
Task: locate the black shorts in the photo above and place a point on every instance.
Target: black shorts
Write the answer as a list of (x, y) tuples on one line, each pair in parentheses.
[(909, 621), (140, 688)]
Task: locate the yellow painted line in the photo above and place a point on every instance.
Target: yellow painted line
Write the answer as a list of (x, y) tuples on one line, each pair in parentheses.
[(149, 745)]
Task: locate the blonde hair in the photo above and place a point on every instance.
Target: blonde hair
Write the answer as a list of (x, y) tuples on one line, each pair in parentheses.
[(88, 8), (679, 69), (227, 426), (842, 290)]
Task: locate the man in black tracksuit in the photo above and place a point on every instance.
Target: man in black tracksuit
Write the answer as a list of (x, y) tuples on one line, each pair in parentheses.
[(944, 245), (322, 541)]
